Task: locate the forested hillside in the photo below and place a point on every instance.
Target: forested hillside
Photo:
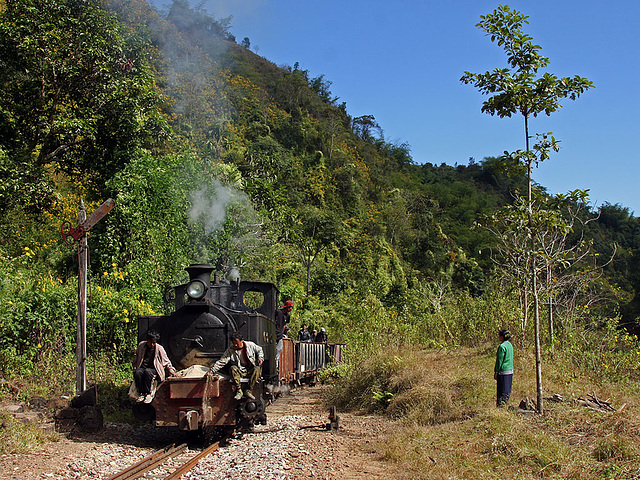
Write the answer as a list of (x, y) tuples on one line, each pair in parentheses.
[(214, 154)]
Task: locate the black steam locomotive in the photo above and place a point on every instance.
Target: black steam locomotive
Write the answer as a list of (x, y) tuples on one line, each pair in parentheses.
[(197, 333)]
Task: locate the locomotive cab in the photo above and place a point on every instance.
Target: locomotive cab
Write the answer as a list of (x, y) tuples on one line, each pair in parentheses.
[(195, 335)]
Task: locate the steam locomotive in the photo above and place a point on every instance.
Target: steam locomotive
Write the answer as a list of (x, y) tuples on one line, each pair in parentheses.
[(196, 334)]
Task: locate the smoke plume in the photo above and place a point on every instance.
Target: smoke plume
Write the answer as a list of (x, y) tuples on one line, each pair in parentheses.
[(209, 206)]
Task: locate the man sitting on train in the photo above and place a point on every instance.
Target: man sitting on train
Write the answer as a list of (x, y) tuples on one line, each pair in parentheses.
[(151, 362), (245, 361)]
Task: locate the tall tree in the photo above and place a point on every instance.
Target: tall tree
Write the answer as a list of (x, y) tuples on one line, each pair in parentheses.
[(522, 91), (76, 94), (315, 231)]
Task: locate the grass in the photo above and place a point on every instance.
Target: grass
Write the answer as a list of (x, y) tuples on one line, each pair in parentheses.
[(449, 426), (19, 437), (56, 377)]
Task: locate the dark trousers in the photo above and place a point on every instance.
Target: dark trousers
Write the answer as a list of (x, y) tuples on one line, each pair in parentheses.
[(144, 378), (253, 375), (504, 389)]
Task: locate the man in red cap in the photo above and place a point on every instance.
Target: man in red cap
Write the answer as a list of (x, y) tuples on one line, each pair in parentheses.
[(283, 314)]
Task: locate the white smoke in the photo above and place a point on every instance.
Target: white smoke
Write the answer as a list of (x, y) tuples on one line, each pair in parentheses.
[(234, 274), (280, 389), (209, 206)]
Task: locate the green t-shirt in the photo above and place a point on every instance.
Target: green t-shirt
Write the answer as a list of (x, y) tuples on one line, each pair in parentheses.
[(504, 358)]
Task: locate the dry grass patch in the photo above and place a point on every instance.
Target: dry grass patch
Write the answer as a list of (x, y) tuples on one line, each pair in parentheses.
[(450, 428), (431, 389), (20, 437), (420, 385), (506, 445)]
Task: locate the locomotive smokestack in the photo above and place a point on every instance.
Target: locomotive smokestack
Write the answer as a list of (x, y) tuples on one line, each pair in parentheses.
[(200, 272)]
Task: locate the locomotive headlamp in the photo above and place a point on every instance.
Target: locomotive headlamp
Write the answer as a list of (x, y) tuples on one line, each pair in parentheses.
[(196, 289)]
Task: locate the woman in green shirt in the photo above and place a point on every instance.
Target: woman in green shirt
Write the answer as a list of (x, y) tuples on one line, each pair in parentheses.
[(503, 371)]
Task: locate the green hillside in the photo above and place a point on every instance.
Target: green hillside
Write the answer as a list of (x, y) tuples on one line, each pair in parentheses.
[(214, 154)]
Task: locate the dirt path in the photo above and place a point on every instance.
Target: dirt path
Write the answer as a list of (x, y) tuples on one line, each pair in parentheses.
[(310, 451), (349, 453)]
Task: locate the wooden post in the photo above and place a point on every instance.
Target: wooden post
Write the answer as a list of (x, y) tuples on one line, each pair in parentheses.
[(81, 349)]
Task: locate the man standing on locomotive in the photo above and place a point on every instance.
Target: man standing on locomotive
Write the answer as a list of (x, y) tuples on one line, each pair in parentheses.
[(151, 362), (283, 315), (245, 361)]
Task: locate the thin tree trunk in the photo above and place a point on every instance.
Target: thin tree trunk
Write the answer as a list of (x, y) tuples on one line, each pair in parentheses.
[(551, 331), (536, 303), (550, 307), (534, 279), (524, 308)]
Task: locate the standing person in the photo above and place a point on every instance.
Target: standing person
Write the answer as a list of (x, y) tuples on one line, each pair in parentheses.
[(503, 371), (151, 362), (322, 337), (304, 335), (283, 315), (245, 361)]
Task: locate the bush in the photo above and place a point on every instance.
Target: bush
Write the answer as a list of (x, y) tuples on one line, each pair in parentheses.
[(604, 351), (38, 310)]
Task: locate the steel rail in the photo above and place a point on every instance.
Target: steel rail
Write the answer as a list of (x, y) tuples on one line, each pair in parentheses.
[(177, 474), (149, 462)]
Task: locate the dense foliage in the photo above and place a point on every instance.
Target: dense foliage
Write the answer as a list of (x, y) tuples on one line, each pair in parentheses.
[(214, 154)]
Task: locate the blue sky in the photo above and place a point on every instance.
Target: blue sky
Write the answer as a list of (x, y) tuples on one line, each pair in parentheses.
[(401, 61)]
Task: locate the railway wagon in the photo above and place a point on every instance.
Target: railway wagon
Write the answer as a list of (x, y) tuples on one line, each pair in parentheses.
[(300, 362)]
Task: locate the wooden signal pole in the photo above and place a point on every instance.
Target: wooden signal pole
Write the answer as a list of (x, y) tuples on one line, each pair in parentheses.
[(79, 234), (81, 348)]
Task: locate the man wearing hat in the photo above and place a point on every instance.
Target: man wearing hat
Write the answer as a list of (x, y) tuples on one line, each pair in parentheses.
[(283, 315), (503, 370)]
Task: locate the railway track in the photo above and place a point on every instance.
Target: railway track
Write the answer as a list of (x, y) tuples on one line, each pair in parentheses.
[(157, 459)]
